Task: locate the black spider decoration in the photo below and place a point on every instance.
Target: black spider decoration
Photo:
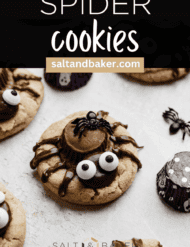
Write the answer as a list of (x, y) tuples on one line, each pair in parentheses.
[(92, 122), (177, 122)]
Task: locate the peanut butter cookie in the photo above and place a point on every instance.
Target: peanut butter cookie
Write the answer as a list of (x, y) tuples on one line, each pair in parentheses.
[(156, 76), (87, 158), (12, 220), (21, 94)]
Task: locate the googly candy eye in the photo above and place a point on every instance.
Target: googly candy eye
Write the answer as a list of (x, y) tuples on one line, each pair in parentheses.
[(108, 161), (2, 197), (11, 97), (86, 169), (4, 218)]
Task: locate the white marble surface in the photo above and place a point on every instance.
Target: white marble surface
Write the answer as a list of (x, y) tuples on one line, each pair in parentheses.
[(139, 212)]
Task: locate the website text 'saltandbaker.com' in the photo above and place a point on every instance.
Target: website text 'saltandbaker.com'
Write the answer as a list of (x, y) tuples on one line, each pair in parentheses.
[(123, 64)]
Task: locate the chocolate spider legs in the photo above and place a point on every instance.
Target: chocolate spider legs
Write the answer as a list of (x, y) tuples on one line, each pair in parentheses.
[(69, 174), (119, 152), (124, 139), (46, 153), (116, 124), (66, 180), (50, 170), (26, 77), (3, 78), (20, 88), (58, 166)]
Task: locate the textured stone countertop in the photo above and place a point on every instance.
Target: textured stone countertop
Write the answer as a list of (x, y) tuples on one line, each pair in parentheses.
[(139, 212)]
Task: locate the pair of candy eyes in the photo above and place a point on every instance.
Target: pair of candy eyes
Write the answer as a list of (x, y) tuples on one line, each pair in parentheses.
[(4, 216), (86, 169), (11, 97)]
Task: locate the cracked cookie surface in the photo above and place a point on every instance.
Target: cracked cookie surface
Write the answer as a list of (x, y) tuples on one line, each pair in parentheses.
[(156, 76), (77, 192), (15, 233), (31, 92)]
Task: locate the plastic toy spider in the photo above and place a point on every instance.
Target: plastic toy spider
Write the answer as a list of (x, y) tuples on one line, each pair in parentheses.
[(91, 122), (93, 156), (177, 122)]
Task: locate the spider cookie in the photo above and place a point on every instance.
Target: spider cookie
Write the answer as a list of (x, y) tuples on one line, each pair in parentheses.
[(173, 182), (12, 220), (67, 81), (137, 243), (155, 76), (21, 94), (87, 158)]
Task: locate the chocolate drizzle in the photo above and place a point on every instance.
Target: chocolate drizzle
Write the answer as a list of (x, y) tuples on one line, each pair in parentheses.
[(116, 124), (42, 156), (50, 170), (137, 242), (52, 141), (102, 114), (26, 77), (3, 78), (124, 139), (20, 88), (70, 155), (63, 186), (120, 153), (175, 72)]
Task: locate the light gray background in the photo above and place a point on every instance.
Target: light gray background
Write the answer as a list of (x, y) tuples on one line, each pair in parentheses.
[(139, 212)]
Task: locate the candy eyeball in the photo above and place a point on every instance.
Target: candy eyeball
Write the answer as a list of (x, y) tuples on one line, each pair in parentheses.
[(2, 197), (108, 161), (86, 169), (11, 97), (4, 218)]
